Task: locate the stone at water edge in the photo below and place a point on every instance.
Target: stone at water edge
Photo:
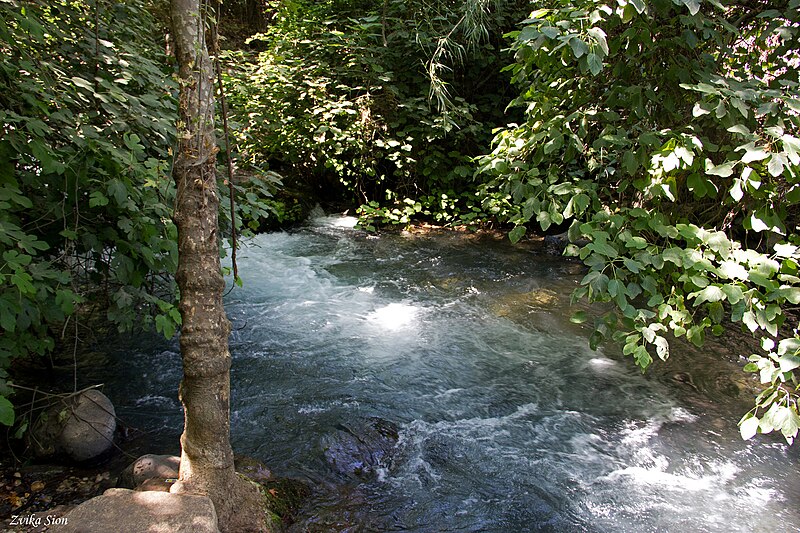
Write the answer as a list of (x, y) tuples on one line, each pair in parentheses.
[(142, 512), (80, 427), (147, 467), (89, 430)]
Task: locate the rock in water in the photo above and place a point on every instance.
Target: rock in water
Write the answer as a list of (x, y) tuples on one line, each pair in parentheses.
[(81, 427), (359, 451), (140, 512)]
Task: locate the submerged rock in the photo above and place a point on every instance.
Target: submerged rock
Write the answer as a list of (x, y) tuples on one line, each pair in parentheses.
[(81, 427), (518, 305), (341, 508), (360, 450)]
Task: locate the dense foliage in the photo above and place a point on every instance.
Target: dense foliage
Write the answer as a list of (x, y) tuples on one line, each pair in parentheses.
[(662, 134), (666, 134), (87, 109), (340, 101)]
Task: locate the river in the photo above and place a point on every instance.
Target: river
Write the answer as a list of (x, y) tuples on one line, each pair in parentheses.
[(507, 420)]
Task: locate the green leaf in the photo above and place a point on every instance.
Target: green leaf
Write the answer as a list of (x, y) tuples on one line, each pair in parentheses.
[(600, 37), (6, 412), (776, 164), (630, 162), (65, 300), (693, 5), (791, 294), (736, 191), (789, 362), (712, 293), (579, 317), (630, 264), (21, 430), (748, 427), (673, 255), (22, 280), (740, 129), (753, 153), (8, 316), (723, 171), (790, 345), (603, 248), (581, 202), (732, 270), (118, 190), (697, 184), (83, 84), (642, 357), (517, 233), (640, 6), (595, 63), (579, 48), (97, 199), (614, 287), (757, 224), (662, 347)]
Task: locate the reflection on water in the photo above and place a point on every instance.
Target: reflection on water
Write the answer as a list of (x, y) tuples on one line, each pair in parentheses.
[(508, 422)]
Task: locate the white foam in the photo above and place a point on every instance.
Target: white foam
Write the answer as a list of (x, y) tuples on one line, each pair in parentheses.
[(601, 362), (345, 222), (152, 399), (394, 316)]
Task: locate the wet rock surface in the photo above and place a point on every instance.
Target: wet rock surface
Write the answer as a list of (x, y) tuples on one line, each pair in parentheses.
[(342, 508), (358, 451), (517, 306)]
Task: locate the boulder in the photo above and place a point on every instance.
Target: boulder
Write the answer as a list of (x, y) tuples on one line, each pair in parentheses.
[(360, 450), (155, 484), (142, 512), (148, 467), (80, 427)]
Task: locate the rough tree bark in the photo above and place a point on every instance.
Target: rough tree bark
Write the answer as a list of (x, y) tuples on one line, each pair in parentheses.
[(206, 456)]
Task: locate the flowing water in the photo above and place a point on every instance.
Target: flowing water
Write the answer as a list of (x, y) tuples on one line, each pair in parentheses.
[(507, 420)]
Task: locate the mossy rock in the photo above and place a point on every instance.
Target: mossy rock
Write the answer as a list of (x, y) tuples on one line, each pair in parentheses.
[(284, 496)]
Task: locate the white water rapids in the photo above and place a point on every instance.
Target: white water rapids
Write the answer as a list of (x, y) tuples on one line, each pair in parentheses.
[(508, 421)]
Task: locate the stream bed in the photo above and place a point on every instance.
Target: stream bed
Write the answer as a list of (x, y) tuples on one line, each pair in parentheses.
[(506, 420)]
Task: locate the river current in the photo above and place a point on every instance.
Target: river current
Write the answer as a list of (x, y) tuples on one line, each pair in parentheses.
[(507, 420)]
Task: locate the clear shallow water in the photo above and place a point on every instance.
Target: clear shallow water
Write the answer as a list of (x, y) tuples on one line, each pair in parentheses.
[(508, 422)]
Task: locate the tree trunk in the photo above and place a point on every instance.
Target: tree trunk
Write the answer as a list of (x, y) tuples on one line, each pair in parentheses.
[(206, 456)]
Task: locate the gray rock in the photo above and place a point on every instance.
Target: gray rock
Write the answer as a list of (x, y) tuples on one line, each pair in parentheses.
[(147, 467), (89, 428), (80, 427), (142, 512)]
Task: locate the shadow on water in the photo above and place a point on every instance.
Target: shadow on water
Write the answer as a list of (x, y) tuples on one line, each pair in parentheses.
[(506, 420)]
